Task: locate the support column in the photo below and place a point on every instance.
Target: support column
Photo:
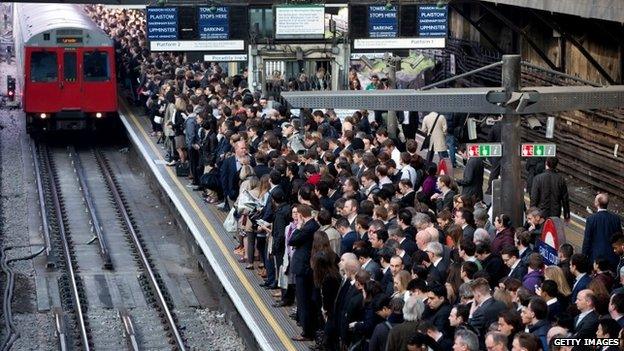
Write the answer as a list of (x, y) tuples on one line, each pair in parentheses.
[(512, 188)]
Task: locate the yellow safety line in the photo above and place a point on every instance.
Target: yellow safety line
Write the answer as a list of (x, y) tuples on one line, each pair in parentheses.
[(213, 233)]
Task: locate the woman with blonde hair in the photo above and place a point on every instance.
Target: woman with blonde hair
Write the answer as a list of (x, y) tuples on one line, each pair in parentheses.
[(256, 240), (400, 285), (248, 181), (556, 273)]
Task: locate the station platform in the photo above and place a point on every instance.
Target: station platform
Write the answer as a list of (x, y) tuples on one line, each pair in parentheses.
[(271, 327)]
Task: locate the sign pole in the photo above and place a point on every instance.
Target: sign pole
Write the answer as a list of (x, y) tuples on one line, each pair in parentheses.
[(511, 187)]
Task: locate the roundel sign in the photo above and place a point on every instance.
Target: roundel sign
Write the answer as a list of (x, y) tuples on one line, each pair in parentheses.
[(548, 244), (549, 234)]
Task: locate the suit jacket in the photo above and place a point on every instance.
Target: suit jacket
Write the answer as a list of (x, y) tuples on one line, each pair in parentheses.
[(387, 282), (435, 276), (472, 182), (409, 246), (446, 202), (468, 232), (485, 314), (346, 242), (581, 285), (407, 200), (549, 193), (502, 239), (519, 272), (540, 329), (374, 269), (554, 310), (597, 239), (586, 328), (439, 317), (301, 240), (281, 221), (229, 177), (495, 267)]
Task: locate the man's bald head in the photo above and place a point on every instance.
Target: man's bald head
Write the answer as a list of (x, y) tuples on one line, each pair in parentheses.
[(602, 201)]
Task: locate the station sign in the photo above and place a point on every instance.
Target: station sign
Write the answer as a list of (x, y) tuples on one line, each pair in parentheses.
[(304, 22), (213, 22), (197, 45), (162, 23), (484, 150), (432, 21), (538, 150), (399, 43), (225, 57), (382, 22)]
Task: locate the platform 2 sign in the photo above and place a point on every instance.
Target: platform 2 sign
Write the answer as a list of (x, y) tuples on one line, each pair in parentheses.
[(484, 150), (162, 23), (432, 21), (538, 150), (382, 22), (213, 22)]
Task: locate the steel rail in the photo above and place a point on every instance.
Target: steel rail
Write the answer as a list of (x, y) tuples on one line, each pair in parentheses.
[(160, 300), (60, 329), (129, 329), (80, 318), (88, 198), (50, 260)]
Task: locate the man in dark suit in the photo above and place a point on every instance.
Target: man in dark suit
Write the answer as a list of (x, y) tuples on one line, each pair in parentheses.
[(408, 193), (599, 229), (465, 219), (511, 258), (492, 263), (229, 174), (485, 309), (406, 244), (579, 267), (549, 192), (438, 308), (301, 240), (472, 181), (347, 235), (549, 291), (385, 254), (585, 323), (349, 266), (616, 308)]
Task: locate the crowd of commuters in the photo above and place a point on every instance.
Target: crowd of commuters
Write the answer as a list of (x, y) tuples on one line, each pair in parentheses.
[(371, 244)]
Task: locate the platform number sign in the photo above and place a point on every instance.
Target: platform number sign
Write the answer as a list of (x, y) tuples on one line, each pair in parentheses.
[(484, 150), (538, 150)]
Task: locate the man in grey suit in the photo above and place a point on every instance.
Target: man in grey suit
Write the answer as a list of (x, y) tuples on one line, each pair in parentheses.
[(485, 309), (364, 256), (586, 323)]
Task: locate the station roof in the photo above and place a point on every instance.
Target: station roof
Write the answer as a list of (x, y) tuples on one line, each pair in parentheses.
[(608, 10)]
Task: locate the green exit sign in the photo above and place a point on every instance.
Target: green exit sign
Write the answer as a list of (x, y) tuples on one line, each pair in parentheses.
[(538, 150), (484, 150)]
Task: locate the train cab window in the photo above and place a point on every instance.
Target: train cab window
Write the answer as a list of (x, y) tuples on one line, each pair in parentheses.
[(96, 66), (43, 67), (69, 66)]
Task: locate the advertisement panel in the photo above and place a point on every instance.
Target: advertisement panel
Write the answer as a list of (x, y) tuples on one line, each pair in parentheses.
[(306, 22), (213, 22), (382, 22), (432, 21), (162, 23)]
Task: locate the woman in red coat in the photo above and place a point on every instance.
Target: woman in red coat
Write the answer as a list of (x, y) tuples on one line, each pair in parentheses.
[(504, 233)]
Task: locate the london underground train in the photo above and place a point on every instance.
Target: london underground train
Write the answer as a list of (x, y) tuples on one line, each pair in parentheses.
[(66, 68)]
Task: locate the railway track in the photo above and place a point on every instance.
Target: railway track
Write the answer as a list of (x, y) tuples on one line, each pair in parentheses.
[(82, 203)]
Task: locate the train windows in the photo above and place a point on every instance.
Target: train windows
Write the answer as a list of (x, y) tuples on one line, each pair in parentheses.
[(96, 66), (43, 66), (69, 66)]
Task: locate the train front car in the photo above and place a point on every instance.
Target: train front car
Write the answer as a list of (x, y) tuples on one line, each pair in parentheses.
[(67, 68)]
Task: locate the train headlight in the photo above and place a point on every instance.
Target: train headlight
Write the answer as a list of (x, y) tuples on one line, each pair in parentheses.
[(43, 115), (98, 115)]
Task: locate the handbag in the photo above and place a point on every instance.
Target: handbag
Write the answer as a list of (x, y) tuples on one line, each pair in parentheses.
[(230, 224), (158, 119), (426, 143)]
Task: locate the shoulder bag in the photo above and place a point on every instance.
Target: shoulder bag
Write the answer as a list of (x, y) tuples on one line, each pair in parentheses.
[(427, 141)]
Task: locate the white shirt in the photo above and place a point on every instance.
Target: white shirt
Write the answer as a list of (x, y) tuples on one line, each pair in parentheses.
[(408, 172), (551, 301), (436, 262)]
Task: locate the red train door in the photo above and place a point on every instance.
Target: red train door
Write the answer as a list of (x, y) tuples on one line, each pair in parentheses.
[(71, 84)]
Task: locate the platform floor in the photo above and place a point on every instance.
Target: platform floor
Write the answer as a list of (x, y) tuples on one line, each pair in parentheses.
[(271, 326)]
